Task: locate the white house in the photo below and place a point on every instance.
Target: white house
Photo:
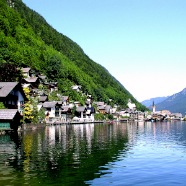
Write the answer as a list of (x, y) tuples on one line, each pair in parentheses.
[(52, 110), (131, 105)]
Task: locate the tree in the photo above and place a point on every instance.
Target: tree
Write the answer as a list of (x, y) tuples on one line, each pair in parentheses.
[(53, 67), (28, 108), (2, 106), (30, 112), (99, 116), (110, 117), (10, 73)]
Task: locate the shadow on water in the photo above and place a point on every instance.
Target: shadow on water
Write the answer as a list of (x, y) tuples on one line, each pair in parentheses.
[(60, 155)]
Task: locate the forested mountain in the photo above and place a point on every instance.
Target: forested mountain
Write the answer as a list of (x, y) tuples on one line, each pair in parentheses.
[(175, 103), (27, 40)]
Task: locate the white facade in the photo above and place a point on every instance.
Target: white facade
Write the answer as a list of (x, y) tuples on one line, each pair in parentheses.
[(131, 106), (51, 112)]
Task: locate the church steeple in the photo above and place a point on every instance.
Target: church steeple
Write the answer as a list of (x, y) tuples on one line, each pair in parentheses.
[(153, 107)]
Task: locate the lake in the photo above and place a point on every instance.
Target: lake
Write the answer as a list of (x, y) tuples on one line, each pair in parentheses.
[(95, 154)]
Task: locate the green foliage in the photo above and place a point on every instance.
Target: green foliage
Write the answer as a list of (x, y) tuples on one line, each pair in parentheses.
[(28, 108), (2, 106), (27, 40), (124, 116), (38, 116), (110, 116), (99, 117), (73, 111), (41, 115), (53, 96), (9, 73), (30, 112)]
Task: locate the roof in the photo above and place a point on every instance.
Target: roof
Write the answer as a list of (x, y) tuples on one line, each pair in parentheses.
[(100, 103), (42, 76), (25, 70), (26, 85), (76, 102), (7, 114), (59, 102), (177, 114), (64, 98), (6, 88), (75, 87), (43, 98), (101, 107), (107, 108), (49, 104), (80, 109), (31, 79)]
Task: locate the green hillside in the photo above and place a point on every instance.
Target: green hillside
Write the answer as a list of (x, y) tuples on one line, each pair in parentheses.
[(27, 40)]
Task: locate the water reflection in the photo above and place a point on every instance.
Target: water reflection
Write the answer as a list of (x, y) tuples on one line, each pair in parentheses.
[(95, 154), (60, 155)]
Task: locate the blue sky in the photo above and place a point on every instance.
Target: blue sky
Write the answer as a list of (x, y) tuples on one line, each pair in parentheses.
[(142, 43)]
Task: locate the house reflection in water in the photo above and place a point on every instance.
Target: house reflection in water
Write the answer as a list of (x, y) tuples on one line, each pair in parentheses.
[(70, 136)]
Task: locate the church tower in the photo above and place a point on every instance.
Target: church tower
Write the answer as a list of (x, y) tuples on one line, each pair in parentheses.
[(153, 107)]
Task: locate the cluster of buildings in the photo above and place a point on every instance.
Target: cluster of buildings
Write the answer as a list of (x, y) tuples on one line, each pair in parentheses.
[(60, 111), (13, 98), (163, 115), (63, 110)]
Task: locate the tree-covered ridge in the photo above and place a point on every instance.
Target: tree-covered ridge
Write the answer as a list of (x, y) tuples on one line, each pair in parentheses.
[(26, 39)]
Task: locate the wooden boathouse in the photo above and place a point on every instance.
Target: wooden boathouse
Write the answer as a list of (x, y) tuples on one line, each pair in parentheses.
[(9, 119)]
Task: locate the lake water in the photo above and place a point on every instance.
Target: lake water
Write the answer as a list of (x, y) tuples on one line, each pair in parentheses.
[(95, 154)]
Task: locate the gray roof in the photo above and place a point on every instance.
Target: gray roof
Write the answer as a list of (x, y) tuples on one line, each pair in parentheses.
[(100, 103), (64, 98), (26, 85), (6, 88), (49, 104), (25, 70), (80, 109), (107, 108), (42, 76), (101, 107), (76, 87), (31, 79), (7, 114), (42, 98)]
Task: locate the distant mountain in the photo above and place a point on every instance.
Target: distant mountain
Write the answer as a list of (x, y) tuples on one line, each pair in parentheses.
[(148, 103), (175, 103)]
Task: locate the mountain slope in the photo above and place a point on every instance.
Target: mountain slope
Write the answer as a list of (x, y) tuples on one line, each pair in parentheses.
[(156, 100), (28, 40), (175, 103)]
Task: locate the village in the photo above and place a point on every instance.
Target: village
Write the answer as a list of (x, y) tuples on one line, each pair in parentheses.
[(63, 110)]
